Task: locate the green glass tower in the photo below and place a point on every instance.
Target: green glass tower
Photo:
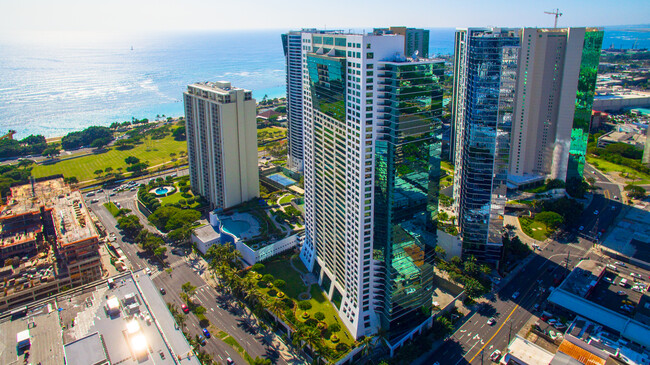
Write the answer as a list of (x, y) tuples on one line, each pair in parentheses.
[(584, 101), (407, 176)]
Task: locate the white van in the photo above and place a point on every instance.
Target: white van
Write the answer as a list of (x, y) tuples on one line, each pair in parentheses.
[(623, 283)]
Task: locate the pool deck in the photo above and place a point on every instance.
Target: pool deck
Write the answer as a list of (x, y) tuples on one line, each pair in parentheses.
[(252, 231)]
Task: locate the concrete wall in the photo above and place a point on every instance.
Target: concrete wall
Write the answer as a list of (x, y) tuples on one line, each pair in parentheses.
[(616, 104), (452, 244), (252, 256)]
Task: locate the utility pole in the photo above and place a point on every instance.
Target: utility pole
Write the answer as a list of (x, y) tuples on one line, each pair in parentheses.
[(566, 261), (510, 333), (556, 13)]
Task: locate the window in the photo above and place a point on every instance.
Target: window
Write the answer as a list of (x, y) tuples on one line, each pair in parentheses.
[(370, 55)]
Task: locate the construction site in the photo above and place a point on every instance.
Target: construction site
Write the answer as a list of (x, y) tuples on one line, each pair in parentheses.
[(48, 242)]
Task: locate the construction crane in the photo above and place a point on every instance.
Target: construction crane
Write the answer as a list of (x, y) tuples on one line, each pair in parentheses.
[(556, 13)]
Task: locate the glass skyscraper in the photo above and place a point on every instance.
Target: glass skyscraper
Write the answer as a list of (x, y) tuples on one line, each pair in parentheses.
[(593, 43), (484, 89)]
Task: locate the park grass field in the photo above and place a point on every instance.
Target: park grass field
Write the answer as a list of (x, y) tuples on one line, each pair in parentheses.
[(534, 229), (606, 166), (156, 152)]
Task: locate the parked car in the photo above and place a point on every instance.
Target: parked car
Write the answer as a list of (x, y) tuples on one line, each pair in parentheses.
[(552, 334), (162, 354), (202, 340), (185, 309), (620, 292), (230, 362), (559, 326), (491, 321), (163, 291), (552, 321), (495, 355), (206, 333), (581, 228), (596, 212), (515, 295)]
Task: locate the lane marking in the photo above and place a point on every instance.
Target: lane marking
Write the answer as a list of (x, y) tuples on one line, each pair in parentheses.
[(494, 335)]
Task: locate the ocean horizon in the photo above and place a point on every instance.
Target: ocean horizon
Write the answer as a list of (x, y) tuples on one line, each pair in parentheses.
[(53, 83)]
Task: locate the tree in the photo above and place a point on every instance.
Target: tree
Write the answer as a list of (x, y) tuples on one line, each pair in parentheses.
[(473, 288), (551, 219), (108, 169), (130, 224), (98, 172), (440, 252), (635, 191), (319, 316), (131, 160), (279, 283), (179, 133), (187, 290), (51, 151), (100, 143), (576, 187), (304, 305), (275, 306), (160, 251), (268, 278), (261, 361), (258, 267)]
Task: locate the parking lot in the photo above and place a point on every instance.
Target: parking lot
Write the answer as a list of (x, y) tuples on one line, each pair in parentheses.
[(612, 295)]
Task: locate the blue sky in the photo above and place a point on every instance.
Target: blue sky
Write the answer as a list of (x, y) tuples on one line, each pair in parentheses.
[(141, 15)]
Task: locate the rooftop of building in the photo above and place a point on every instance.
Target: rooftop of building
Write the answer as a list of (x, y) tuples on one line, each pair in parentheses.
[(593, 290), (631, 234), (72, 219), (527, 352), (30, 198), (87, 350), (601, 343), (132, 308), (623, 137), (219, 87), (44, 334)]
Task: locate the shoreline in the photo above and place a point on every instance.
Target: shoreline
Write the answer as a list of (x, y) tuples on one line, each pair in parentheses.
[(55, 139)]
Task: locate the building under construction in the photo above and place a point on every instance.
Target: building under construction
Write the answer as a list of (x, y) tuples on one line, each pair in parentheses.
[(48, 242)]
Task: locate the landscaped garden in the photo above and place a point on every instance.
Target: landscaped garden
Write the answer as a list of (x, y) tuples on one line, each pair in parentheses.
[(275, 290), (534, 229), (317, 311)]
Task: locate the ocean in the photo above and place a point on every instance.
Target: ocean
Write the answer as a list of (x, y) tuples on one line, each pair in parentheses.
[(52, 84)]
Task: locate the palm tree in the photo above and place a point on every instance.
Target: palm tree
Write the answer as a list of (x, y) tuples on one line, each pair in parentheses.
[(276, 307), (311, 337), (367, 345), (204, 358)]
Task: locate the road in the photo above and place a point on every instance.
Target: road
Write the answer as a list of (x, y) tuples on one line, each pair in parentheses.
[(220, 310), (475, 339)]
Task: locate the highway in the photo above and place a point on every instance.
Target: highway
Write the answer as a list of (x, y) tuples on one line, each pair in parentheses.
[(475, 339), (221, 311)]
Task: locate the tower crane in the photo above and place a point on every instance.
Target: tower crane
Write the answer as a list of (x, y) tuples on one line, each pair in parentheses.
[(556, 13)]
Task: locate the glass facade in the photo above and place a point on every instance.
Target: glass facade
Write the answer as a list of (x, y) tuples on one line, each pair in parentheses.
[(327, 83), (488, 81), (584, 102), (407, 172)]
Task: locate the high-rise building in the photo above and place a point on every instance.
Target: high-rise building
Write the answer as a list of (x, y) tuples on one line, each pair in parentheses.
[(371, 169), (521, 108), (415, 39), (293, 51), (546, 106), (485, 63), (222, 143)]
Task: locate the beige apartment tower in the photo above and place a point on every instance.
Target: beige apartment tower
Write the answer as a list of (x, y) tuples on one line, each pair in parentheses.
[(222, 143), (545, 102)]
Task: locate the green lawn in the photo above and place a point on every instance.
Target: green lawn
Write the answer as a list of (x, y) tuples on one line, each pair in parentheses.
[(606, 166), (271, 133), (534, 229), (286, 199), (447, 166), (84, 167), (112, 208), (281, 269), (176, 196)]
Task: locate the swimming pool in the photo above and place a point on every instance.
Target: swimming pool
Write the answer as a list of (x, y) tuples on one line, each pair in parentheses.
[(281, 179), (235, 227)]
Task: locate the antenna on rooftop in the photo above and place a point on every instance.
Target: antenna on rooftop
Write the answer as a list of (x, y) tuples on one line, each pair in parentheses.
[(556, 13)]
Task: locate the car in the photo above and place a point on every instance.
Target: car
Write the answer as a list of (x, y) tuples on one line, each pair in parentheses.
[(615, 197), (608, 279), (581, 228), (100, 191), (202, 341), (620, 292), (147, 271), (111, 194), (635, 275), (613, 207), (94, 201), (552, 321), (559, 325), (133, 189), (206, 333), (162, 354), (621, 264), (638, 289), (536, 247), (596, 212), (163, 291), (495, 355), (552, 335), (491, 321), (515, 295), (230, 362), (185, 309)]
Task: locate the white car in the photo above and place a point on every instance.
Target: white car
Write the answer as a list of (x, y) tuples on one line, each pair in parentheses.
[(491, 321), (495, 355), (515, 295)]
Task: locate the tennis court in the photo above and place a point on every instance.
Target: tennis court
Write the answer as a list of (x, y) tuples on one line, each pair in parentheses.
[(281, 179)]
